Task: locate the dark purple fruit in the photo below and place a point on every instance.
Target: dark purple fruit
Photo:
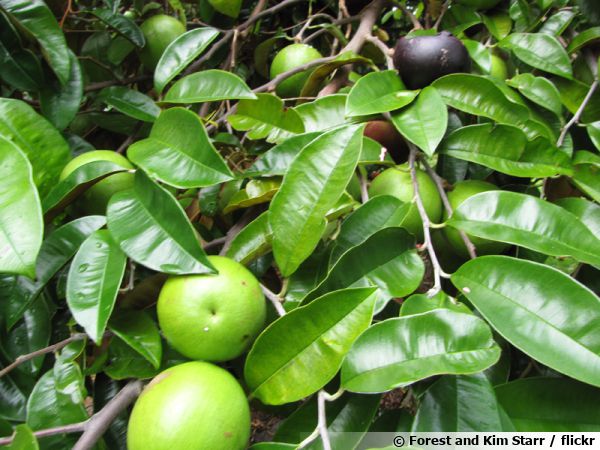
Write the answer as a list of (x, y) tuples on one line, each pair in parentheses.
[(423, 59), (386, 134)]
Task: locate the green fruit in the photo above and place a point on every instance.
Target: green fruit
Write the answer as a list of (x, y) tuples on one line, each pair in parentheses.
[(95, 199), (212, 317), (498, 69), (396, 181), (289, 58), (159, 32), (192, 406), (462, 191)]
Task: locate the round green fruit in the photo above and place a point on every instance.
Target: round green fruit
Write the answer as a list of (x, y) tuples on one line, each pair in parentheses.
[(462, 191), (212, 317), (289, 58), (95, 199), (193, 406), (396, 181), (159, 31)]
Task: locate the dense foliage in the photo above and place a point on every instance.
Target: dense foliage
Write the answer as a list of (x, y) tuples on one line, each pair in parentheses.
[(424, 223)]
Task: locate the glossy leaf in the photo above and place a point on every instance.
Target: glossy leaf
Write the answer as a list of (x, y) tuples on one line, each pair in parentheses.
[(423, 122), (319, 75), (297, 212), (208, 86), (539, 90), (179, 152), (585, 210), (558, 23), (38, 19), (76, 183), (506, 149), (124, 362), (378, 92), (255, 192), (24, 439), (550, 404), (531, 305), (398, 352), (422, 303), (60, 103), (388, 259), (230, 8), (252, 242), (584, 38), (139, 331), (479, 54), (323, 113), (21, 68), (586, 178), (130, 102), (460, 404), (46, 149), (152, 228), (21, 223), (180, 53), (266, 117), (529, 222), (311, 342), (122, 24), (93, 282), (540, 50)]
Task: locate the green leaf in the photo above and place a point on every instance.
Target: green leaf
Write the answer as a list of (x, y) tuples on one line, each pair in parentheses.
[(297, 212), (479, 54), (208, 86), (378, 92), (230, 8), (277, 160), (498, 23), (179, 152), (323, 113), (388, 259), (24, 439), (558, 23), (318, 76), (255, 192), (75, 184), (21, 223), (540, 50), (520, 299), (584, 38), (586, 178), (123, 25), (422, 303), (539, 90), (266, 117), (398, 352), (572, 95), (139, 331), (125, 362), (152, 228), (311, 342), (180, 53), (505, 148), (586, 211), (461, 404), (60, 103), (46, 149), (93, 282), (252, 242), (377, 213), (529, 222), (550, 404), (37, 19), (130, 102), (423, 122)]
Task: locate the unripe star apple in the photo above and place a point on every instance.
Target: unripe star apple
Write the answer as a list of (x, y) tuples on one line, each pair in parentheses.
[(388, 136), (396, 181), (192, 406), (212, 317), (159, 31), (289, 58), (462, 191), (95, 199)]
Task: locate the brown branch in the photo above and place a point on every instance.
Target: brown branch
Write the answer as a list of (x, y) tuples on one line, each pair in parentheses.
[(578, 114), (97, 425), (275, 299), (443, 12), (387, 52), (415, 22), (50, 349), (439, 183), (215, 243)]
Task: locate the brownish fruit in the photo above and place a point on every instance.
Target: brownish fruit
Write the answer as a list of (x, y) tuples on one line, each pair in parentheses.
[(386, 134), (423, 59)]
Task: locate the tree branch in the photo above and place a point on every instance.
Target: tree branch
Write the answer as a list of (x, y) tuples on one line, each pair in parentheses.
[(124, 81), (50, 349), (387, 52), (274, 299), (578, 114)]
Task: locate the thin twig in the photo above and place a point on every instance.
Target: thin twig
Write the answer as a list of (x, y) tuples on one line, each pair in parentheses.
[(248, 216), (438, 21), (415, 22), (215, 243), (322, 420), (96, 426), (364, 192), (439, 183), (63, 429), (274, 299), (103, 84), (578, 114), (438, 273), (387, 52), (50, 349)]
